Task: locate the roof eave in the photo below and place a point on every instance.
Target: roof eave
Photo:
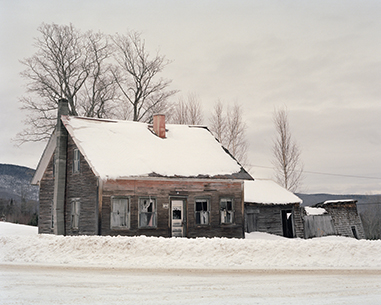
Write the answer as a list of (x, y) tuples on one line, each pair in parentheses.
[(45, 158)]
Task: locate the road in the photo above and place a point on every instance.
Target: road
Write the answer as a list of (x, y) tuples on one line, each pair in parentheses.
[(23, 284)]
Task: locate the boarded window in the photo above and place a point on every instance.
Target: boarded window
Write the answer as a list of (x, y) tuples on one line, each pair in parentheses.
[(76, 161), (147, 212), (120, 213), (75, 209), (202, 211), (227, 212)]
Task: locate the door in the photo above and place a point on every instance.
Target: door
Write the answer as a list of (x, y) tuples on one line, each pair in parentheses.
[(178, 220)]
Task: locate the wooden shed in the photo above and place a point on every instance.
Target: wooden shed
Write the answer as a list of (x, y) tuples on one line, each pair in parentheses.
[(336, 217), (109, 177), (272, 209)]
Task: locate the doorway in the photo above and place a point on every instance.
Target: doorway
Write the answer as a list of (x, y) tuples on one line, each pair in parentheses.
[(287, 223), (178, 218)]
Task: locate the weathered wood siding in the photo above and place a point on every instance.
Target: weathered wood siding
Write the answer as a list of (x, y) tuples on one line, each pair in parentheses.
[(46, 201), (165, 189), (344, 216), (267, 218), (83, 187), (318, 225)]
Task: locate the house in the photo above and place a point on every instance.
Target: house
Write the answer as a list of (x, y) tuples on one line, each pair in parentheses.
[(272, 209), (333, 217), (109, 177)]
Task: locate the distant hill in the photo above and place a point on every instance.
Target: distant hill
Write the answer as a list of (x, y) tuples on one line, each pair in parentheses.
[(15, 183), (18, 198)]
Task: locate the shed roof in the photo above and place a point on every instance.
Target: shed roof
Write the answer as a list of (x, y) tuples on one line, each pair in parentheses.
[(336, 202), (268, 192), (117, 149)]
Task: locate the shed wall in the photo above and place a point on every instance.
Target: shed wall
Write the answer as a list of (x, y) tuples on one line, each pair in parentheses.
[(267, 218), (344, 217), (318, 225)]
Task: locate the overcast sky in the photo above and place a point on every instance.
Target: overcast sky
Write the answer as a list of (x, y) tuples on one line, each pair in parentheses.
[(320, 59)]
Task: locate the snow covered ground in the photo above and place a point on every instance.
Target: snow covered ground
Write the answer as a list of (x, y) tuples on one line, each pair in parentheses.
[(262, 269)]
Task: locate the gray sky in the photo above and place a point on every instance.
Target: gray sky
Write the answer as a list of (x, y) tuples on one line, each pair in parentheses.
[(320, 59)]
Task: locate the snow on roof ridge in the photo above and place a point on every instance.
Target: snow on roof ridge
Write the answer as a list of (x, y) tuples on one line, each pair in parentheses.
[(339, 200)]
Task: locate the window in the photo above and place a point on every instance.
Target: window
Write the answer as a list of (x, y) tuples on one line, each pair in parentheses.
[(227, 212), (202, 211), (120, 213), (354, 231), (75, 208), (76, 161), (147, 212)]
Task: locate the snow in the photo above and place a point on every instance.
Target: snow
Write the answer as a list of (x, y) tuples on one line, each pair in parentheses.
[(12, 229), (257, 251), (311, 211), (338, 201), (117, 149), (268, 192), (261, 269)]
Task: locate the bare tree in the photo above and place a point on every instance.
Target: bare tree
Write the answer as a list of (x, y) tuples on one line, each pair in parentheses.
[(230, 130), (188, 111), (68, 64), (218, 122), (287, 160), (136, 75), (99, 76)]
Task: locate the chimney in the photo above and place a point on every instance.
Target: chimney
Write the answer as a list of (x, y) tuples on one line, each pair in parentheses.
[(60, 170), (159, 125)]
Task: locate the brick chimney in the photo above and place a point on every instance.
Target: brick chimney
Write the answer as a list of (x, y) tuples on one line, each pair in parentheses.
[(159, 125), (60, 170)]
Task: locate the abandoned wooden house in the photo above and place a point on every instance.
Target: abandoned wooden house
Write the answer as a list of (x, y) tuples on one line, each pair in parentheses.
[(108, 177), (272, 209), (333, 217)]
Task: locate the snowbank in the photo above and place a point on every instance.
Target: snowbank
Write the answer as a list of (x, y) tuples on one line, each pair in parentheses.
[(10, 229), (257, 252)]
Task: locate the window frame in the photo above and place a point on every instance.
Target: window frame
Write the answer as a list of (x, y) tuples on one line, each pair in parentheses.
[(76, 161), (208, 211), (232, 211), (127, 213), (75, 213), (153, 214)]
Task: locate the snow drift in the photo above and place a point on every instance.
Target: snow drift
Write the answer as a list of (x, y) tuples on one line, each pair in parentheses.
[(259, 251)]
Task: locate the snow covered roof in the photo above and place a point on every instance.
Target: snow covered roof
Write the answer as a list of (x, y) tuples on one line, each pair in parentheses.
[(339, 201), (311, 211), (268, 192), (116, 149)]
